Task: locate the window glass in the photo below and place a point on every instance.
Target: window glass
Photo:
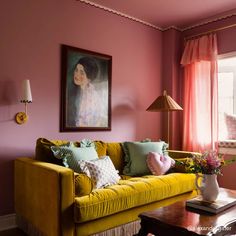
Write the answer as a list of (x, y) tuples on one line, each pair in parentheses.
[(226, 92)]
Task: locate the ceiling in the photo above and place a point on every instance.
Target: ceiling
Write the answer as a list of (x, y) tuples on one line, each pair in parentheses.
[(181, 14)]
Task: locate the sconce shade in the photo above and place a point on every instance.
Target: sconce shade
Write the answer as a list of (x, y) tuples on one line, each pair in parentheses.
[(164, 103), (26, 96)]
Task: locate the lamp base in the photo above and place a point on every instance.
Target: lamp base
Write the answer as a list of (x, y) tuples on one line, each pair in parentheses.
[(21, 118)]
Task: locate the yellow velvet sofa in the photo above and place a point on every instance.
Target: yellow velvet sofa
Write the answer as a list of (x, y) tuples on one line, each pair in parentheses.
[(52, 200)]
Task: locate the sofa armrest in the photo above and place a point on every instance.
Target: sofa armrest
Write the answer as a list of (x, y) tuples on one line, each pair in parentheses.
[(181, 154), (44, 196)]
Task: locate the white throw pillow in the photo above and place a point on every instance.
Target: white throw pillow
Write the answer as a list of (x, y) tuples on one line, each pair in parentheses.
[(101, 171)]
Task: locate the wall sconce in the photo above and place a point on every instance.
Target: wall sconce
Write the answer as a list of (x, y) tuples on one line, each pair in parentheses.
[(26, 97)]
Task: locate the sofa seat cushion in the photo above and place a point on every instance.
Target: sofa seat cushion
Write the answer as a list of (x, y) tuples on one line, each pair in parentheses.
[(131, 193)]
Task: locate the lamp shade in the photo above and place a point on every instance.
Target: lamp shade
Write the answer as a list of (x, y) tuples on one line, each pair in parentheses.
[(26, 96), (164, 103)]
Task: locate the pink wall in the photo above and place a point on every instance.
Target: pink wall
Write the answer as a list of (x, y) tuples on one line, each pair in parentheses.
[(228, 179), (31, 35), (172, 83)]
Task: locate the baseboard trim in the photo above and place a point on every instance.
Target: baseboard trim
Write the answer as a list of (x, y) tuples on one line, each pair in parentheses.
[(7, 222)]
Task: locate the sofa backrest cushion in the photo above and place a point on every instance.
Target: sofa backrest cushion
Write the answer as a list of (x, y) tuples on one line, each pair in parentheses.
[(101, 148), (116, 154)]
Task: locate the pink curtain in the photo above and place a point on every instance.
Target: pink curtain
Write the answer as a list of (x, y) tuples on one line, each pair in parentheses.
[(200, 114)]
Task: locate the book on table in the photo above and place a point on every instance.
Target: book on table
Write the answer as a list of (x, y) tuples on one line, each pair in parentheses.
[(220, 204)]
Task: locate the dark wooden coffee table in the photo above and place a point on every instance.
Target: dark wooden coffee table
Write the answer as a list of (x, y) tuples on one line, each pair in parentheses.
[(177, 220)]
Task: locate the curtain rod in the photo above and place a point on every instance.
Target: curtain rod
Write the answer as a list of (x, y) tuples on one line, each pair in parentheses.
[(210, 31)]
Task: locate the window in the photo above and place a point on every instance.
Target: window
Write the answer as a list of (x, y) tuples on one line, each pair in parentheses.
[(226, 91)]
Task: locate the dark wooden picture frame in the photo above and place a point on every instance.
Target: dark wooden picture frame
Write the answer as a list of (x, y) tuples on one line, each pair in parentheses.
[(85, 90)]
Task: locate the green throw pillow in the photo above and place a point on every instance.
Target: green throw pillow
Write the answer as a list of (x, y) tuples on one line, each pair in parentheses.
[(71, 155), (43, 150), (135, 156)]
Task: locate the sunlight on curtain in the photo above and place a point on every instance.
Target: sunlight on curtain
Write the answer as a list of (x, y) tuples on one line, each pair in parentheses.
[(200, 94)]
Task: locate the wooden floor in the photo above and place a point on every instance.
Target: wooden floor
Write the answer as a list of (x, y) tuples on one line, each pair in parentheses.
[(12, 232)]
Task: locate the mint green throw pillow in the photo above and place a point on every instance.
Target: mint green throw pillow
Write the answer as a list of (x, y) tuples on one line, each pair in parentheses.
[(136, 154), (71, 155)]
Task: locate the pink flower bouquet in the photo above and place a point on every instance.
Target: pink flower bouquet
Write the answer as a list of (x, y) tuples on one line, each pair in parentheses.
[(209, 162)]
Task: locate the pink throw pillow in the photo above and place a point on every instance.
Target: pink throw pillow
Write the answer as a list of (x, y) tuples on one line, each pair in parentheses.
[(159, 164), (230, 121)]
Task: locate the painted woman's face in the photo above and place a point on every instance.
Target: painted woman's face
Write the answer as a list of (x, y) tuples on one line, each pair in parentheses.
[(80, 77)]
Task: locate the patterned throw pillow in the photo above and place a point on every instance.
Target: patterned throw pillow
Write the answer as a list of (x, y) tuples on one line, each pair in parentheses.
[(71, 155), (230, 121), (101, 171), (159, 164), (181, 165)]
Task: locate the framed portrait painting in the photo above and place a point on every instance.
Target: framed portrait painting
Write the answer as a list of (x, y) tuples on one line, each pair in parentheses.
[(85, 90)]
